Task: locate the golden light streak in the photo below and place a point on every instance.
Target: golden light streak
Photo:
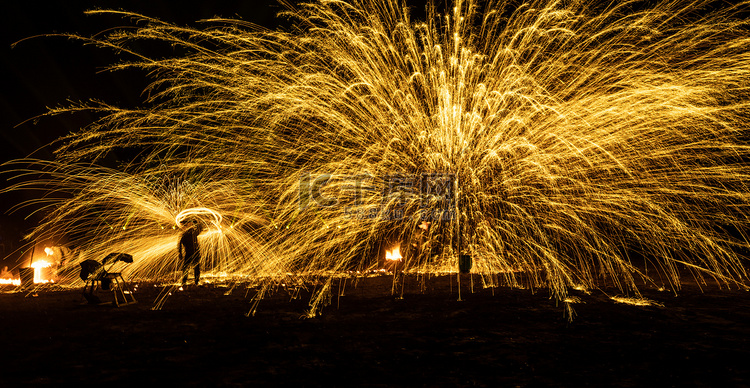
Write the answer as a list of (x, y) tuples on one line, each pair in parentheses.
[(581, 137), (214, 217), (636, 301)]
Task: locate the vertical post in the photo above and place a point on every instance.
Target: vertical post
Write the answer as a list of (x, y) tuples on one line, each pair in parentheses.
[(458, 226), (31, 257)]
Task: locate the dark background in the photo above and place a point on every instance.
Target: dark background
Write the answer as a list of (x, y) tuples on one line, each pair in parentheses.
[(369, 337)]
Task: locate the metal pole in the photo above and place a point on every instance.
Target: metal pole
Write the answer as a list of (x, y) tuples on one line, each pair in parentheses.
[(458, 226), (31, 258)]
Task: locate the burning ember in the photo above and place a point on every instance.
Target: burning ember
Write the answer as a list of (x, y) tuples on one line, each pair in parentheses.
[(40, 271), (15, 282), (39, 276), (394, 254), (6, 278)]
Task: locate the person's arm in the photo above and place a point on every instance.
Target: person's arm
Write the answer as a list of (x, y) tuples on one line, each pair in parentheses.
[(179, 248)]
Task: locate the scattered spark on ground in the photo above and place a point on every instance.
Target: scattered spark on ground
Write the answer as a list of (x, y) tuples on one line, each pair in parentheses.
[(636, 301)]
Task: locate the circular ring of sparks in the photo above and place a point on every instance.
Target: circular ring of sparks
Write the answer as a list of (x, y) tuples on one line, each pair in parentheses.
[(199, 212)]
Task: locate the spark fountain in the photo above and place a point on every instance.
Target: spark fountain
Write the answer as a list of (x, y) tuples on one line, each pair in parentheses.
[(559, 144)]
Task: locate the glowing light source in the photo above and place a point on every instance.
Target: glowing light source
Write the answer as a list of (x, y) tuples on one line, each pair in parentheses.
[(38, 266), (394, 254), (198, 212), (15, 282), (636, 301)]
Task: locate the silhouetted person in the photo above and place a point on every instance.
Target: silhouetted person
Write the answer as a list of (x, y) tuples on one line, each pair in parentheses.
[(192, 257)]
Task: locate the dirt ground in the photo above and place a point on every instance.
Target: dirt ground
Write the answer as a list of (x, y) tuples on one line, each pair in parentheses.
[(368, 337)]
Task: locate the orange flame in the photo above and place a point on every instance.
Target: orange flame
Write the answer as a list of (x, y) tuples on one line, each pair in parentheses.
[(15, 282), (38, 265), (394, 254)]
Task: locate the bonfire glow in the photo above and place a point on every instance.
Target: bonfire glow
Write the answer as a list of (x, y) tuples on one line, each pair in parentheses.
[(567, 138), (15, 282), (39, 276), (394, 254)]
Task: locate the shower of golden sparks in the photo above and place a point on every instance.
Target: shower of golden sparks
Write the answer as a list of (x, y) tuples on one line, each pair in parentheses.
[(566, 139)]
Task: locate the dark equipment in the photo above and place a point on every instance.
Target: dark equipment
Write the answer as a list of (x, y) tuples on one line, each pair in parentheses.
[(464, 263), (93, 272)]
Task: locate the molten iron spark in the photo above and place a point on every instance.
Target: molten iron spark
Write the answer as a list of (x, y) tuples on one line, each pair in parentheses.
[(581, 135)]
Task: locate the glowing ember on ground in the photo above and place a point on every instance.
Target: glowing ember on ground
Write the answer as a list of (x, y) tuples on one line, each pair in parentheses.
[(15, 282), (636, 301), (573, 299), (394, 254)]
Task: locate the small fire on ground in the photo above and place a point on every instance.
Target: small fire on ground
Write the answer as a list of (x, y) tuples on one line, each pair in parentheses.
[(39, 272), (14, 282), (394, 254), (43, 272), (6, 278)]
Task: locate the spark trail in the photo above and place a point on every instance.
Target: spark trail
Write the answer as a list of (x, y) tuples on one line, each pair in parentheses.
[(580, 139)]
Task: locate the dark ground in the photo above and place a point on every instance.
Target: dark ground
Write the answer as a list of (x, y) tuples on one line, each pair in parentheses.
[(202, 337)]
